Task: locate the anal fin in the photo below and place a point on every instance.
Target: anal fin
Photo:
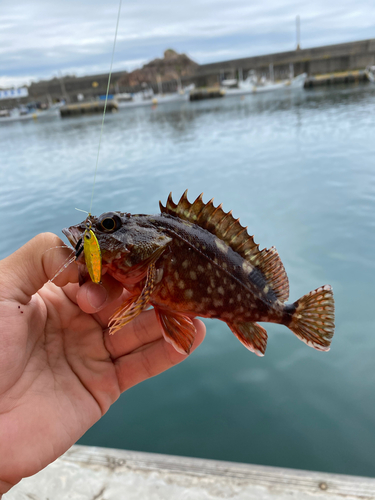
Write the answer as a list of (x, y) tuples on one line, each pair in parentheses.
[(133, 305), (178, 330), (252, 336)]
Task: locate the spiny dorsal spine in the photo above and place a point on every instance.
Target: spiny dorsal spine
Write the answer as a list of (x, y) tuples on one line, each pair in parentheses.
[(225, 227)]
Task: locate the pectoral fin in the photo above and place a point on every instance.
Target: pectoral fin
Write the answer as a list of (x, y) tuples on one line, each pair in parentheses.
[(252, 336), (134, 305), (178, 330)]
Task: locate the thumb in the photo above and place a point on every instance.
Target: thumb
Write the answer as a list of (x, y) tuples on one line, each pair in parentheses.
[(25, 271)]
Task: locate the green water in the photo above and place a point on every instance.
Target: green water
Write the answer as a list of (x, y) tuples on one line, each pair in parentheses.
[(299, 169)]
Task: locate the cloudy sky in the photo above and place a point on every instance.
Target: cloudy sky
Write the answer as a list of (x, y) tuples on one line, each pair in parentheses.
[(42, 38)]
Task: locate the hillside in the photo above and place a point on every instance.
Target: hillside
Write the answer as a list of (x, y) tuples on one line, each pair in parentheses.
[(172, 67)]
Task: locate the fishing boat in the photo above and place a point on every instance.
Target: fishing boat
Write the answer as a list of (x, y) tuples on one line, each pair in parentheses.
[(147, 97), (252, 85), (182, 95), (142, 98), (27, 113)]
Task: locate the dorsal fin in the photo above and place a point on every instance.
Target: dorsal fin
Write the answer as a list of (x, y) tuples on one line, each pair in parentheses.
[(228, 229)]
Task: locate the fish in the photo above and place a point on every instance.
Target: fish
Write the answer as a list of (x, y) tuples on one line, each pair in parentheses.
[(194, 259)]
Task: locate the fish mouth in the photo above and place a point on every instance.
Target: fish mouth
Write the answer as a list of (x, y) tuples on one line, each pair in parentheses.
[(73, 234)]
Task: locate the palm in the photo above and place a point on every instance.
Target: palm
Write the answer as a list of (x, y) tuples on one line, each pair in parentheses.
[(60, 370), (62, 382)]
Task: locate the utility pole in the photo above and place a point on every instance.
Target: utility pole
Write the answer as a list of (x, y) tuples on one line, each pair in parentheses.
[(272, 75), (62, 85), (298, 33), (160, 85)]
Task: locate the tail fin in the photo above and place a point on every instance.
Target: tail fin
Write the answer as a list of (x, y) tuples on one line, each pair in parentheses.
[(313, 318)]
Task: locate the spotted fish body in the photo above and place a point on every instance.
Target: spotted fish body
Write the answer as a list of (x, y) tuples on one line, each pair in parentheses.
[(196, 260)]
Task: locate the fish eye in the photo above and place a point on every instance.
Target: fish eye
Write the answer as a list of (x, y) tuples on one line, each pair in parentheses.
[(109, 222)]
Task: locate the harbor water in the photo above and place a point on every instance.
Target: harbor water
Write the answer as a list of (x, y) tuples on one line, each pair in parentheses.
[(299, 170)]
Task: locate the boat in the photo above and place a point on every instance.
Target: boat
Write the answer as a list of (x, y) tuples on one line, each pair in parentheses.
[(370, 73), (180, 96), (229, 83), (147, 97), (28, 113), (252, 85), (142, 98)]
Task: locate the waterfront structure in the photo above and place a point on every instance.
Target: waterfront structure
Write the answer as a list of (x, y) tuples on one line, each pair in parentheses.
[(86, 473), (351, 58), (327, 59)]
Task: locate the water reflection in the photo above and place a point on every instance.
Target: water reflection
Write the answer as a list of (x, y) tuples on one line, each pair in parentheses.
[(299, 170)]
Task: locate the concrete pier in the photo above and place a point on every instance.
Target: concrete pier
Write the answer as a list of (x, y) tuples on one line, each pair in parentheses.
[(339, 77), (206, 93), (88, 473), (84, 108)]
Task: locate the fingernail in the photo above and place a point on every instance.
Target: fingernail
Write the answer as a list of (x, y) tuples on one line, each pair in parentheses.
[(96, 295)]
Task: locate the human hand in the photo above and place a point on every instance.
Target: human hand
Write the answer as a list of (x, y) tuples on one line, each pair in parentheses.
[(60, 370)]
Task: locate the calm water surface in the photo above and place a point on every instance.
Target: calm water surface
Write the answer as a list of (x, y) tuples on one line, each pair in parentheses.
[(299, 169)]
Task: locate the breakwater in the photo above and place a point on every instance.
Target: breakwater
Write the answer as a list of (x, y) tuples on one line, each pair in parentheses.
[(314, 61), (329, 60)]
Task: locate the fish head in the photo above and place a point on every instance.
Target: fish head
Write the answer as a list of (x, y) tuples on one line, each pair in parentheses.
[(109, 229), (127, 242)]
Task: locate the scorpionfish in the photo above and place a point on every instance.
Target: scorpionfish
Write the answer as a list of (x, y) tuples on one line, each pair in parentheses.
[(194, 259)]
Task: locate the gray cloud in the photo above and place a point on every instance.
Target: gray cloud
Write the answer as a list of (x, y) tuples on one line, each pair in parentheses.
[(41, 38)]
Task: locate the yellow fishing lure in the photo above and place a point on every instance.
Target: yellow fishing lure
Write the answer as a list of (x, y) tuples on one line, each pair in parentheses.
[(93, 255)]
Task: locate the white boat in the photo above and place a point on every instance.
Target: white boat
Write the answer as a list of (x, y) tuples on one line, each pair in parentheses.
[(181, 95), (126, 100), (24, 113), (231, 82), (147, 97), (251, 85), (370, 73)]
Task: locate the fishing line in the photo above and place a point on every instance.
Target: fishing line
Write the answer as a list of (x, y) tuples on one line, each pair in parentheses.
[(66, 263), (105, 104), (57, 246), (89, 243)]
